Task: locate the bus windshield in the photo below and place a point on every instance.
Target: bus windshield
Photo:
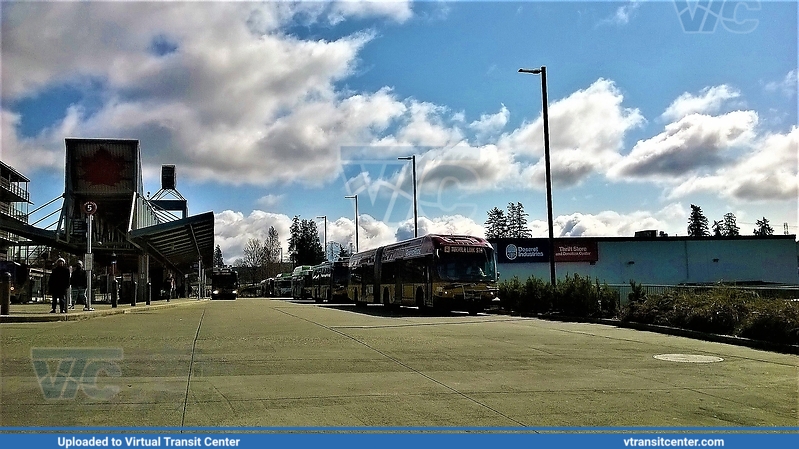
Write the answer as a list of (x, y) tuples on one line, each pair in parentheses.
[(224, 280), (471, 267)]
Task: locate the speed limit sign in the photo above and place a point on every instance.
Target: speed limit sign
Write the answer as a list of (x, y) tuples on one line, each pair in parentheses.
[(89, 208)]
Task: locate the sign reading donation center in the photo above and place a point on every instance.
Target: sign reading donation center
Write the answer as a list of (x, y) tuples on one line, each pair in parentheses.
[(536, 250)]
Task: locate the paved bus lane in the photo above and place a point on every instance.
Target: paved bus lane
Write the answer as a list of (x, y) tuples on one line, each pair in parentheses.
[(262, 362)]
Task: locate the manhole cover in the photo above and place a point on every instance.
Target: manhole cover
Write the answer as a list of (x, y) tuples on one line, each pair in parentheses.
[(688, 358)]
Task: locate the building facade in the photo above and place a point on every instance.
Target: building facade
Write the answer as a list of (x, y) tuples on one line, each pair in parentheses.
[(659, 260)]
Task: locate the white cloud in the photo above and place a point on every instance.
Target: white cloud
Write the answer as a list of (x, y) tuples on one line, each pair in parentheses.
[(787, 86), (227, 102), (490, 124), (710, 100), (623, 14), (232, 230), (587, 131), (767, 173), (610, 223), (693, 144), (270, 200)]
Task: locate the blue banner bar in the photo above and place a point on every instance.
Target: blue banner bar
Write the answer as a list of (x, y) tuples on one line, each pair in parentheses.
[(396, 439)]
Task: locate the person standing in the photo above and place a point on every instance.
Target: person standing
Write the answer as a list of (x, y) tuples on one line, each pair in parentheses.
[(78, 282), (170, 286), (58, 284)]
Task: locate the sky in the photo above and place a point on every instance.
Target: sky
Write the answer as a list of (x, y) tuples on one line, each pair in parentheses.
[(272, 110)]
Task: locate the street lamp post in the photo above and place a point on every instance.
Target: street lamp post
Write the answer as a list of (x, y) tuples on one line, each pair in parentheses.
[(356, 219), (543, 72), (325, 247), (415, 215)]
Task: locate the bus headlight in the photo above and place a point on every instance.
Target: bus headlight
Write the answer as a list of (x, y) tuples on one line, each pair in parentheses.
[(216, 292), (235, 292)]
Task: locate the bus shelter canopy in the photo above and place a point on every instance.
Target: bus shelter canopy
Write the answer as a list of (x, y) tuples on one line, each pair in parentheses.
[(179, 243)]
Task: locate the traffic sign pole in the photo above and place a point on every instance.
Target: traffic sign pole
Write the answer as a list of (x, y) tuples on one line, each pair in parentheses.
[(89, 208)]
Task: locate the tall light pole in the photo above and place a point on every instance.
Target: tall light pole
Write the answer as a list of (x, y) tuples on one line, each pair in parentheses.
[(356, 219), (543, 72), (325, 247), (415, 215)]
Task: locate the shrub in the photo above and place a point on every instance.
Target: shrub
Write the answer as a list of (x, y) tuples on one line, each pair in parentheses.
[(772, 320), (580, 297), (726, 311), (537, 296), (510, 294)]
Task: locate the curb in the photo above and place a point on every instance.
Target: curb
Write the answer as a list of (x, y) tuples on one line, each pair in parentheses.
[(716, 338), (86, 315)]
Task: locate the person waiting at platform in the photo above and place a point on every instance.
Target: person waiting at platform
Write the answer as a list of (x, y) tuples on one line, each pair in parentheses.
[(58, 284), (78, 282)]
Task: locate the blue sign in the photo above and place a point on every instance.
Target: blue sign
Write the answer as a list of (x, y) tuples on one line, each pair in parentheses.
[(522, 250)]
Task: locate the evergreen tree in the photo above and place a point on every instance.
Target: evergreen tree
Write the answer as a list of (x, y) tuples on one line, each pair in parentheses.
[(497, 224), (697, 223), (218, 260), (520, 222), (763, 228), (717, 226), (304, 245), (343, 252), (731, 229)]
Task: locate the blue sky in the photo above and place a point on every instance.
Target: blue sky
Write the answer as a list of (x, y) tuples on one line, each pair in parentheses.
[(276, 109)]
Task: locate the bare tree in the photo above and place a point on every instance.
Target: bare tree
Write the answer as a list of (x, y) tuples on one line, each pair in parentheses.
[(255, 257)]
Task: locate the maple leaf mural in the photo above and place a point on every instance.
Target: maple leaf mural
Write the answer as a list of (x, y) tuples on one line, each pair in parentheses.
[(102, 168)]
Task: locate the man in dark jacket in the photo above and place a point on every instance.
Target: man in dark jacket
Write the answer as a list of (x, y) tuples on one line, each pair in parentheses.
[(59, 283), (78, 282)]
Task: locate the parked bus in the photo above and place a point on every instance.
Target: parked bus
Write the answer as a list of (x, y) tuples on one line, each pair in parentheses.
[(452, 272), (302, 282), (224, 283), (267, 287), (330, 281), (282, 285)]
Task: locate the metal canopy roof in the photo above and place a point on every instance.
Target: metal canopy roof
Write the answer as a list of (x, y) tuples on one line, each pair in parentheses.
[(179, 243)]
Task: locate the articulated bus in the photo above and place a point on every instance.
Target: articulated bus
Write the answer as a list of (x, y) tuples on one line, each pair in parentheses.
[(330, 281), (302, 282), (447, 272)]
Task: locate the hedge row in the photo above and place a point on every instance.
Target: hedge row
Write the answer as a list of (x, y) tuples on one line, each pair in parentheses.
[(726, 311), (575, 296)]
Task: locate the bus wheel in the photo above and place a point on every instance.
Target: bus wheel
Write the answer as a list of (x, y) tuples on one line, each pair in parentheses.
[(474, 309)]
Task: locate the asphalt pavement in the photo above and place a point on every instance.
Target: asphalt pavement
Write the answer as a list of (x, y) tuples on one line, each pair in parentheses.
[(257, 362)]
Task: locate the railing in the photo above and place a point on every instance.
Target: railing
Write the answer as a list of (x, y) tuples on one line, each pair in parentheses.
[(763, 291), (15, 189)]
